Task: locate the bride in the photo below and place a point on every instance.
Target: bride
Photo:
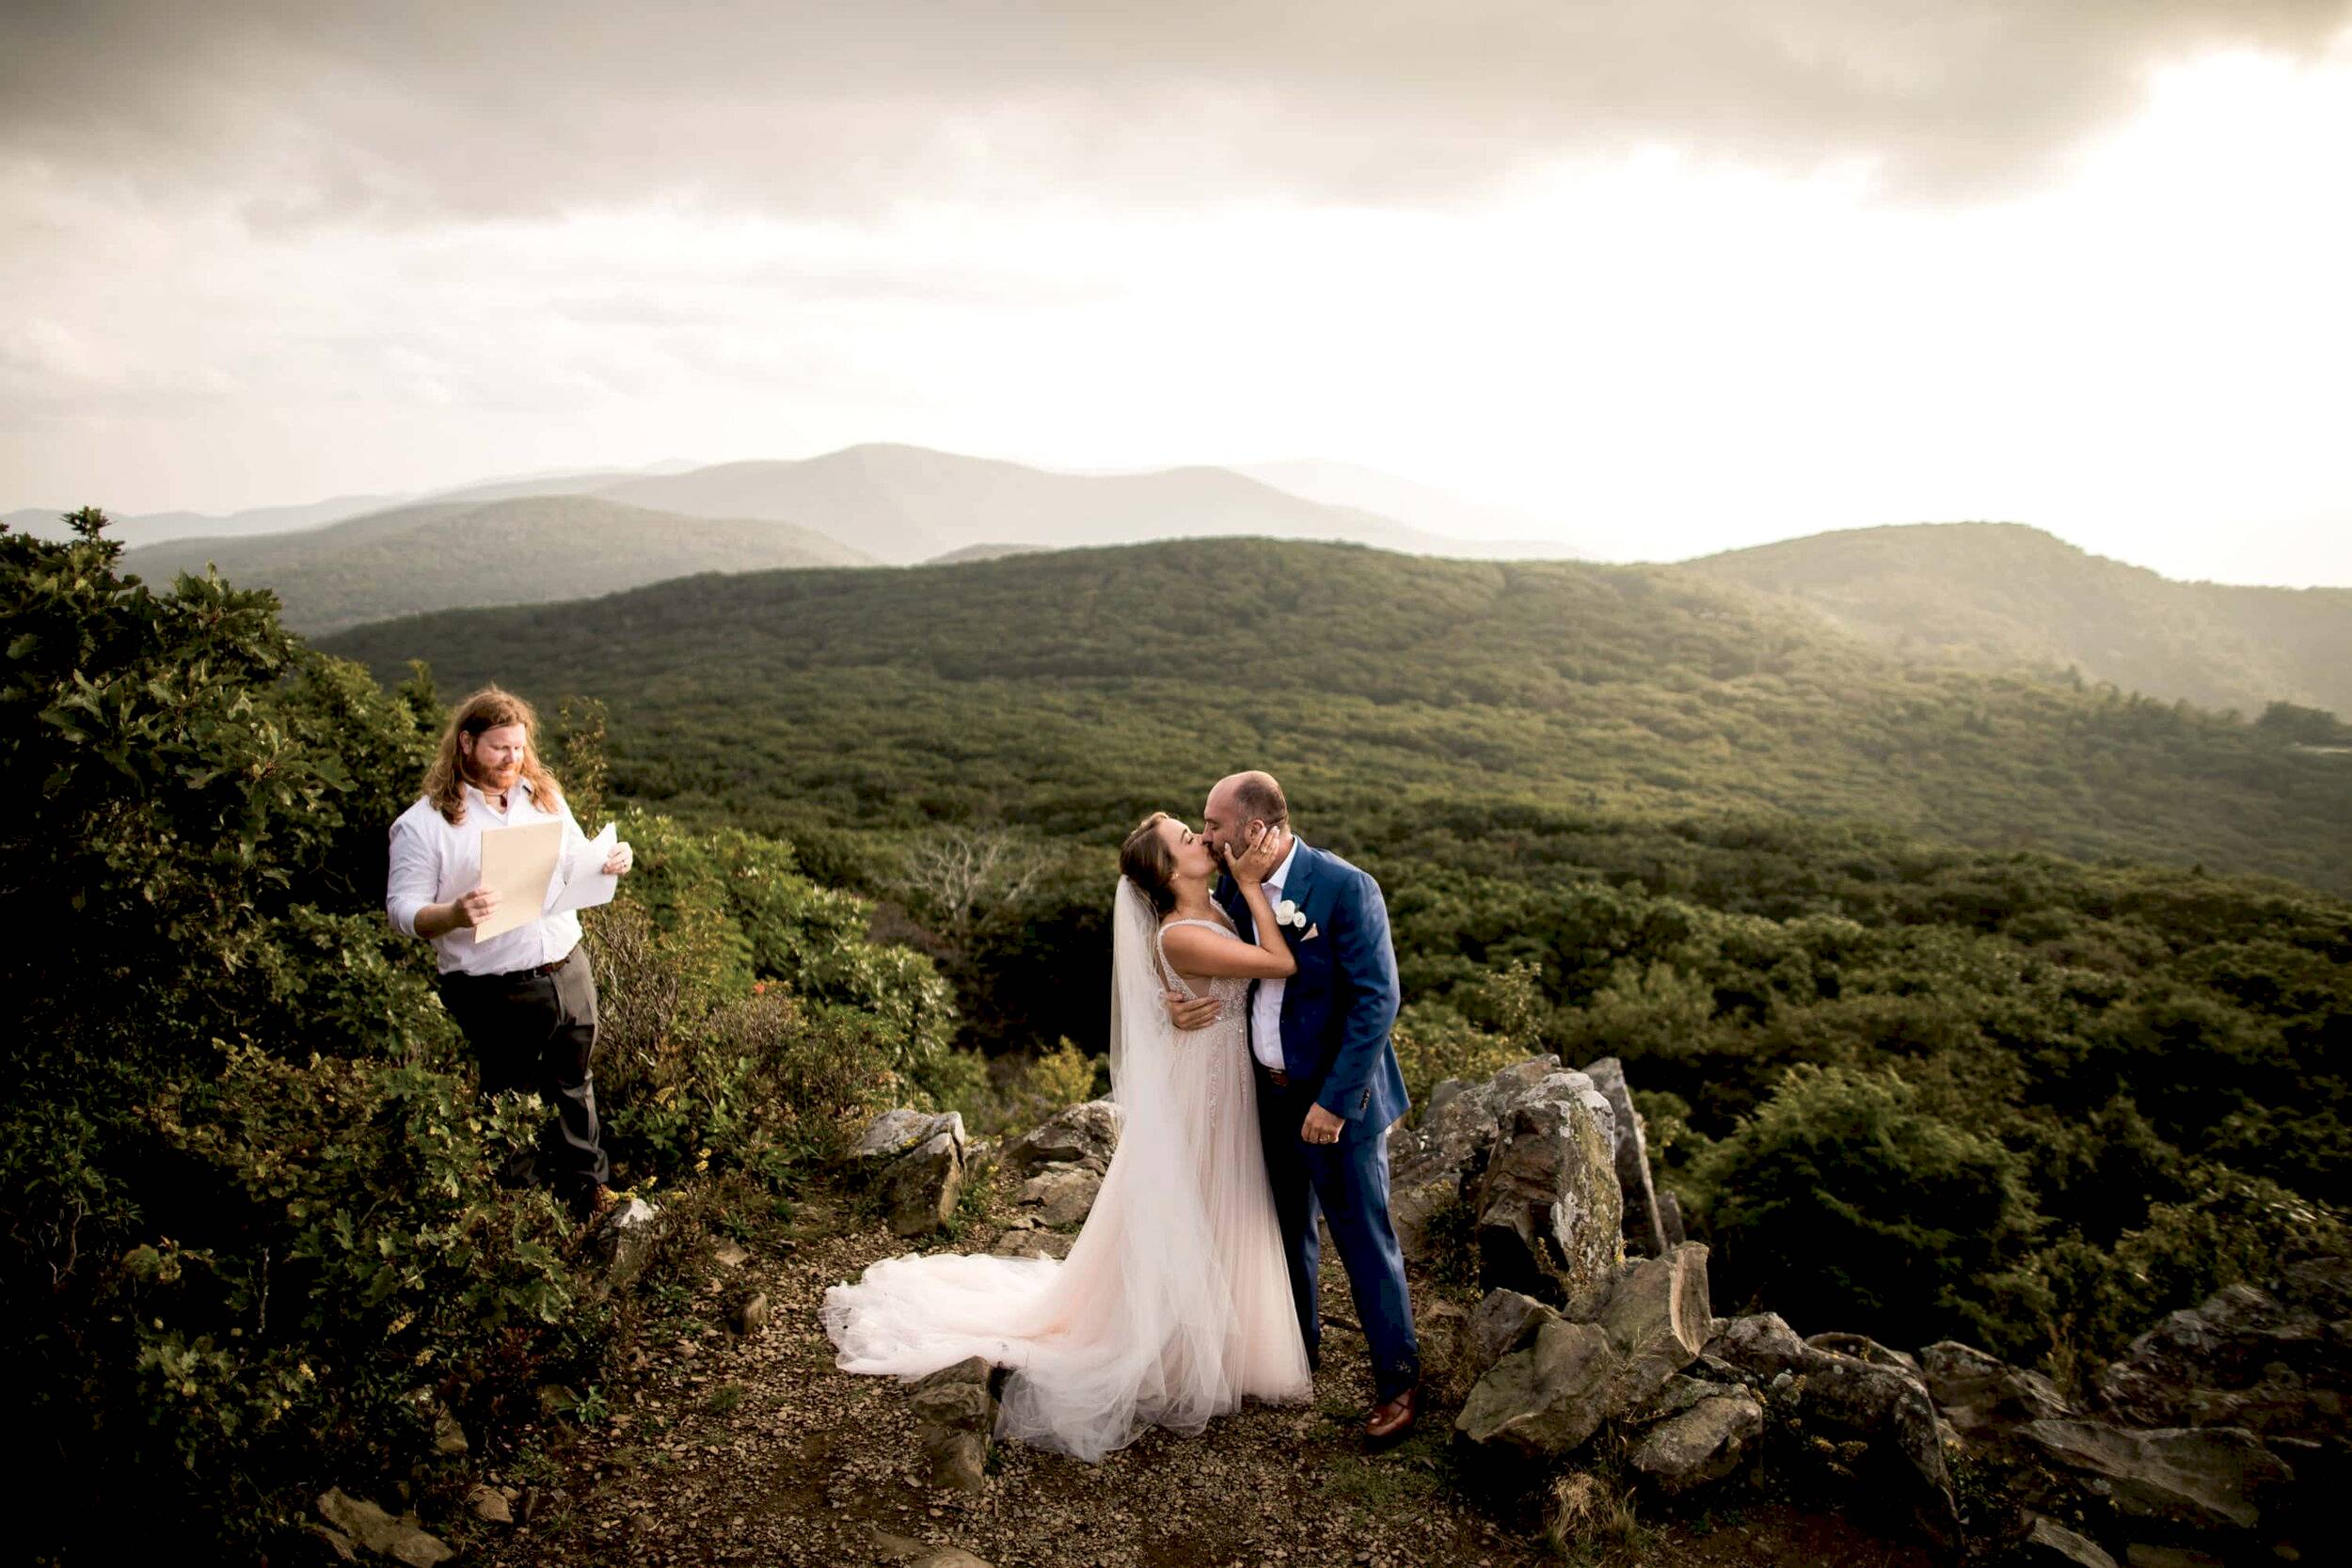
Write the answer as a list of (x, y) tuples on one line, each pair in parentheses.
[(1174, 1303)]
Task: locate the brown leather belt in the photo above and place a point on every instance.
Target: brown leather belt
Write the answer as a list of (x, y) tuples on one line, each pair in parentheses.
[(1274, 1076)]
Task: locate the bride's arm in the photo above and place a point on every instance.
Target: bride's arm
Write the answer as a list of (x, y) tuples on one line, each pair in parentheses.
[(1198, 950)]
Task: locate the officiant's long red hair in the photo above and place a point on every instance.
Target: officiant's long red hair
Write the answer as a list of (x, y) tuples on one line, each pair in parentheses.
[(490, 709)]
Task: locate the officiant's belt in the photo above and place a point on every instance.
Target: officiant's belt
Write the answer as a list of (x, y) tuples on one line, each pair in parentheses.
[(512, 974)]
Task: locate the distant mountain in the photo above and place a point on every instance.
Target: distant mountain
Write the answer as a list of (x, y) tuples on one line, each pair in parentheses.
[(1486, 532), (2000, 595), (152, 527), (526, 550), (982, 552), (908, 504), (1068, 690), (578, 482)]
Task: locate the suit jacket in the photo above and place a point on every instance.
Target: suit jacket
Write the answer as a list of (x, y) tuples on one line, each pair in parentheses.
[(1338, 1008)]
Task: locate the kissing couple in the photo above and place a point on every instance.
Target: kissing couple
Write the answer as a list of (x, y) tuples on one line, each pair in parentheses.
[(1252, 989)]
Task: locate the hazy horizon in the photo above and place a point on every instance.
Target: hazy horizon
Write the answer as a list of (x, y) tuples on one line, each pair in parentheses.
[(1666, 278), (392, 501)]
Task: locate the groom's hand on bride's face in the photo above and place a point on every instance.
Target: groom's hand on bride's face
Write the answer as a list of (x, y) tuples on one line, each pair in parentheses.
[(1191, 1012)]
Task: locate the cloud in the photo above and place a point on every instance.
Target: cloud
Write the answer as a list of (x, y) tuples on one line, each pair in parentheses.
[(323, 113)]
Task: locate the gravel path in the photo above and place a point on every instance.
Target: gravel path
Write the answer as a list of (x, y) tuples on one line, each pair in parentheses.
[(759, 1450)]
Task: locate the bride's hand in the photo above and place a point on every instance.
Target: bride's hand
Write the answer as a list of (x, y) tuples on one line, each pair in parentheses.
[(1255, 863)]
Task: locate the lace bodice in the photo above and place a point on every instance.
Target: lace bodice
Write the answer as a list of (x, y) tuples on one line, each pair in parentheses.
[(1227, 988)]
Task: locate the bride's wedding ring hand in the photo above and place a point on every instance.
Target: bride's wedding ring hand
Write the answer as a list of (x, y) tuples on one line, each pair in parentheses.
[(1254, 863)]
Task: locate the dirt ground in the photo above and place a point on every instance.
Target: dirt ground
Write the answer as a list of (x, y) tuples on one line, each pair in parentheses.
[(759, 1450)]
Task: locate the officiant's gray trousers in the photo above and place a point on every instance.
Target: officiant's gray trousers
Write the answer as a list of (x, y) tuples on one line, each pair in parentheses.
[(533, 1031)]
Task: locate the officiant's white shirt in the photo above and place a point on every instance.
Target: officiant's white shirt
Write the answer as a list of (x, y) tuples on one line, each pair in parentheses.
[(1266, 1006), (435, 860)]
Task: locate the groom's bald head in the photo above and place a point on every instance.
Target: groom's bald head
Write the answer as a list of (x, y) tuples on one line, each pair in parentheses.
[(1239, 799)]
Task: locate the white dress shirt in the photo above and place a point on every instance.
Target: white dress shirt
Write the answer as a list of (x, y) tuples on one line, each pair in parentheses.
[(439, 862), (1265, 1007)]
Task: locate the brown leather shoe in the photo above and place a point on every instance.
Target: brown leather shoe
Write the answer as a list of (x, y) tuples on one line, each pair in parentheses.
[(1392, 1418)]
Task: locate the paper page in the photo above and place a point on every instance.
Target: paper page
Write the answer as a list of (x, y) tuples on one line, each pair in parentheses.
[(517, 863), (585, 884)]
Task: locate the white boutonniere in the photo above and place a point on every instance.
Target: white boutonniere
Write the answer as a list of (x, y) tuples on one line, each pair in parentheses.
[(1287, 912)]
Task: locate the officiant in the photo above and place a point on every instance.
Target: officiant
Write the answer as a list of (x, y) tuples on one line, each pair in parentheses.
[(524, 998)]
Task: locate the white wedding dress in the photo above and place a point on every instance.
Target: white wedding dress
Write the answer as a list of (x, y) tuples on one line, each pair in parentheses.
[(1174, 1303)]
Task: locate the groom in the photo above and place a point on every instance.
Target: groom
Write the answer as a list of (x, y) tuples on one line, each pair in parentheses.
[(1328, 1086)]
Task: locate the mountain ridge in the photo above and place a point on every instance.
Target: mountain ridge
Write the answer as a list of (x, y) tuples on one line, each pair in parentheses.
[(1067, 689), (2001, 596), (441, 555)]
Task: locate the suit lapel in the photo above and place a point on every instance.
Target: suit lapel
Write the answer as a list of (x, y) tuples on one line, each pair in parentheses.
[(1295, 890)]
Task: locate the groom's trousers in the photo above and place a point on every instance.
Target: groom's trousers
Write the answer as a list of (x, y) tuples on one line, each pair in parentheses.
[(533, 1031), (1346, 1184)]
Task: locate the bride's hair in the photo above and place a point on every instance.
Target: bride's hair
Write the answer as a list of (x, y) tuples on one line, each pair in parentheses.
[(1146, 861)]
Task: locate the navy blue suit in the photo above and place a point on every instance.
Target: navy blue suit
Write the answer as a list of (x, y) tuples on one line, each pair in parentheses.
[(1335, 1013)]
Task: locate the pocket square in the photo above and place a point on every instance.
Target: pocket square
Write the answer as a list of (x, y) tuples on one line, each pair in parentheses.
[(1310, 933)]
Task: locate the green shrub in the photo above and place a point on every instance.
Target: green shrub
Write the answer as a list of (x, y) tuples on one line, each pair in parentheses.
[(251, 1233), (1842, 1204)]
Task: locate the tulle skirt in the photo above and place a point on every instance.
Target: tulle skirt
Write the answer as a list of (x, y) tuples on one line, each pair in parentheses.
[(1173, 1305)]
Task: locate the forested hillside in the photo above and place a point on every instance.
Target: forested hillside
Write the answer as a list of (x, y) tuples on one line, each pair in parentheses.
[(1066, 692), (521, 549), (2002, 597)]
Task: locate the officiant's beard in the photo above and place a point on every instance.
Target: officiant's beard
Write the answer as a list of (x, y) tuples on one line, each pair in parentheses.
[(486, 781)]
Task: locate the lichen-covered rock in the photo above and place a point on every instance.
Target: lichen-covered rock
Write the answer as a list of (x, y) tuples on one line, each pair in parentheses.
[(1434, 1165), (1679, 1393), (624, 1242), (1657, 1317), (2049, 1545), (1026, 1238), (1762, 1344), (1545, 1401), (1549, 1219), (916, 1161), (401, 1538), (1503, 1322), (1980, 1394), (1863, 1348), (1084, 1134), (1704, 1443), (955, 1413), (1670, 1216), (2276, 1361), (1644, 1225), (1549, 1398), (1889, 1408), (2205, 1481), (1063, 1194)]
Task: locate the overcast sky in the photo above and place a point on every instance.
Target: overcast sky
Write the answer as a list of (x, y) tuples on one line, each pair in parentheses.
[(1674, 275)]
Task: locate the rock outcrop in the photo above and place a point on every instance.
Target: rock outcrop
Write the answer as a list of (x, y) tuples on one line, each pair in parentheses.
[(1645, 1230), (1568, 1376), (955, 1413), (398, 1537), (1084, 1134), (1531, 1156), (916, 1161), (1862, 1410), (2217, 1436)]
